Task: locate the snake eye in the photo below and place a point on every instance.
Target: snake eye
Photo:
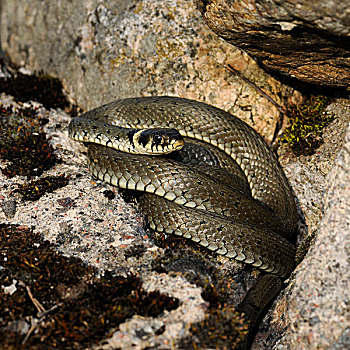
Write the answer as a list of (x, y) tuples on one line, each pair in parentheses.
[(157, 138)]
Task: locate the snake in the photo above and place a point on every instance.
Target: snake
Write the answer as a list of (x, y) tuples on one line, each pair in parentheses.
[(249, 215)]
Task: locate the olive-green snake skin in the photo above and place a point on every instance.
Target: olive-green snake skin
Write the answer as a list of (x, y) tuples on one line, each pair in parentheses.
[(251, 219)]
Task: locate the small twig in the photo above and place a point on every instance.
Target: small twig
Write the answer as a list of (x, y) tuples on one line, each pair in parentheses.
[(41, 313), (36, 302), (40, 309), (36, 322), (261, 92), (32, 328), (280, 108)]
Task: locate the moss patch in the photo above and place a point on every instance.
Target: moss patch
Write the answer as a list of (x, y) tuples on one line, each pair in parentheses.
[(304, 135), (35, 189), (136, 251), (109, 194), (61, 299), (38, 87), (23, 142), (221, 329)]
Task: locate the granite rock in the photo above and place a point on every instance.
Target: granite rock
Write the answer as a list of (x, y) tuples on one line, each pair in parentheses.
[(106, 50), (304, 40), (319, 301), (313, 311)]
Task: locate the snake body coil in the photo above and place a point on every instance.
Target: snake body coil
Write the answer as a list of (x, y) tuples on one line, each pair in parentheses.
[(251, 219)]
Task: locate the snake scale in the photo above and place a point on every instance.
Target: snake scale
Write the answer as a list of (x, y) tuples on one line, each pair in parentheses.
[(251, 217)]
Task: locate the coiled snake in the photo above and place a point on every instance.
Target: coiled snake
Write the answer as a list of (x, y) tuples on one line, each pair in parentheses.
[(250, 217)]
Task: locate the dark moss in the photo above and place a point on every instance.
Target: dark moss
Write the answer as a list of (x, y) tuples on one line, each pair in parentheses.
[(183, 255), (77, 308), (221, 329), (35, 189), (109, 194), (177, 243), (136, 251), (74, 110), (23, 143), (38, 87), (307, 121)]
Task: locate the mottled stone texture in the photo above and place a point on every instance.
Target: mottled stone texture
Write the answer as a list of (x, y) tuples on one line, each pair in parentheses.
[(106, 50), (319, 311), (313, 312), (305, 39)]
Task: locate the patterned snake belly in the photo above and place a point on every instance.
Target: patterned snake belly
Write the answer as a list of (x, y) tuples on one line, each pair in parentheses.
[(255, 226)]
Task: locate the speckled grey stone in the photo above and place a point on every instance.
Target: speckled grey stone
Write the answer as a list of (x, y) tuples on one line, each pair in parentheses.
[(321, 290), (108, 50), (9, 207), (313, 312), (343, 341)]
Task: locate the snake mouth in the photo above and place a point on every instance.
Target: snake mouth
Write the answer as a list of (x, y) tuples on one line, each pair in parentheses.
[(178, 144)]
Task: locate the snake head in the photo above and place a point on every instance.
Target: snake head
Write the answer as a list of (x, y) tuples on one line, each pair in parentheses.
[(158, 141)]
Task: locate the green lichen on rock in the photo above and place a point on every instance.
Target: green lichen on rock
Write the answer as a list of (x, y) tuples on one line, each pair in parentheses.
[(304, 135), (23, 143)]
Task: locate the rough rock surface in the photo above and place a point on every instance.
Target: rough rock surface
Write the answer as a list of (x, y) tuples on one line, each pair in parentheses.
[(314, 308), (90, 36), (306, 40), (105, 50), (319, 311)]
